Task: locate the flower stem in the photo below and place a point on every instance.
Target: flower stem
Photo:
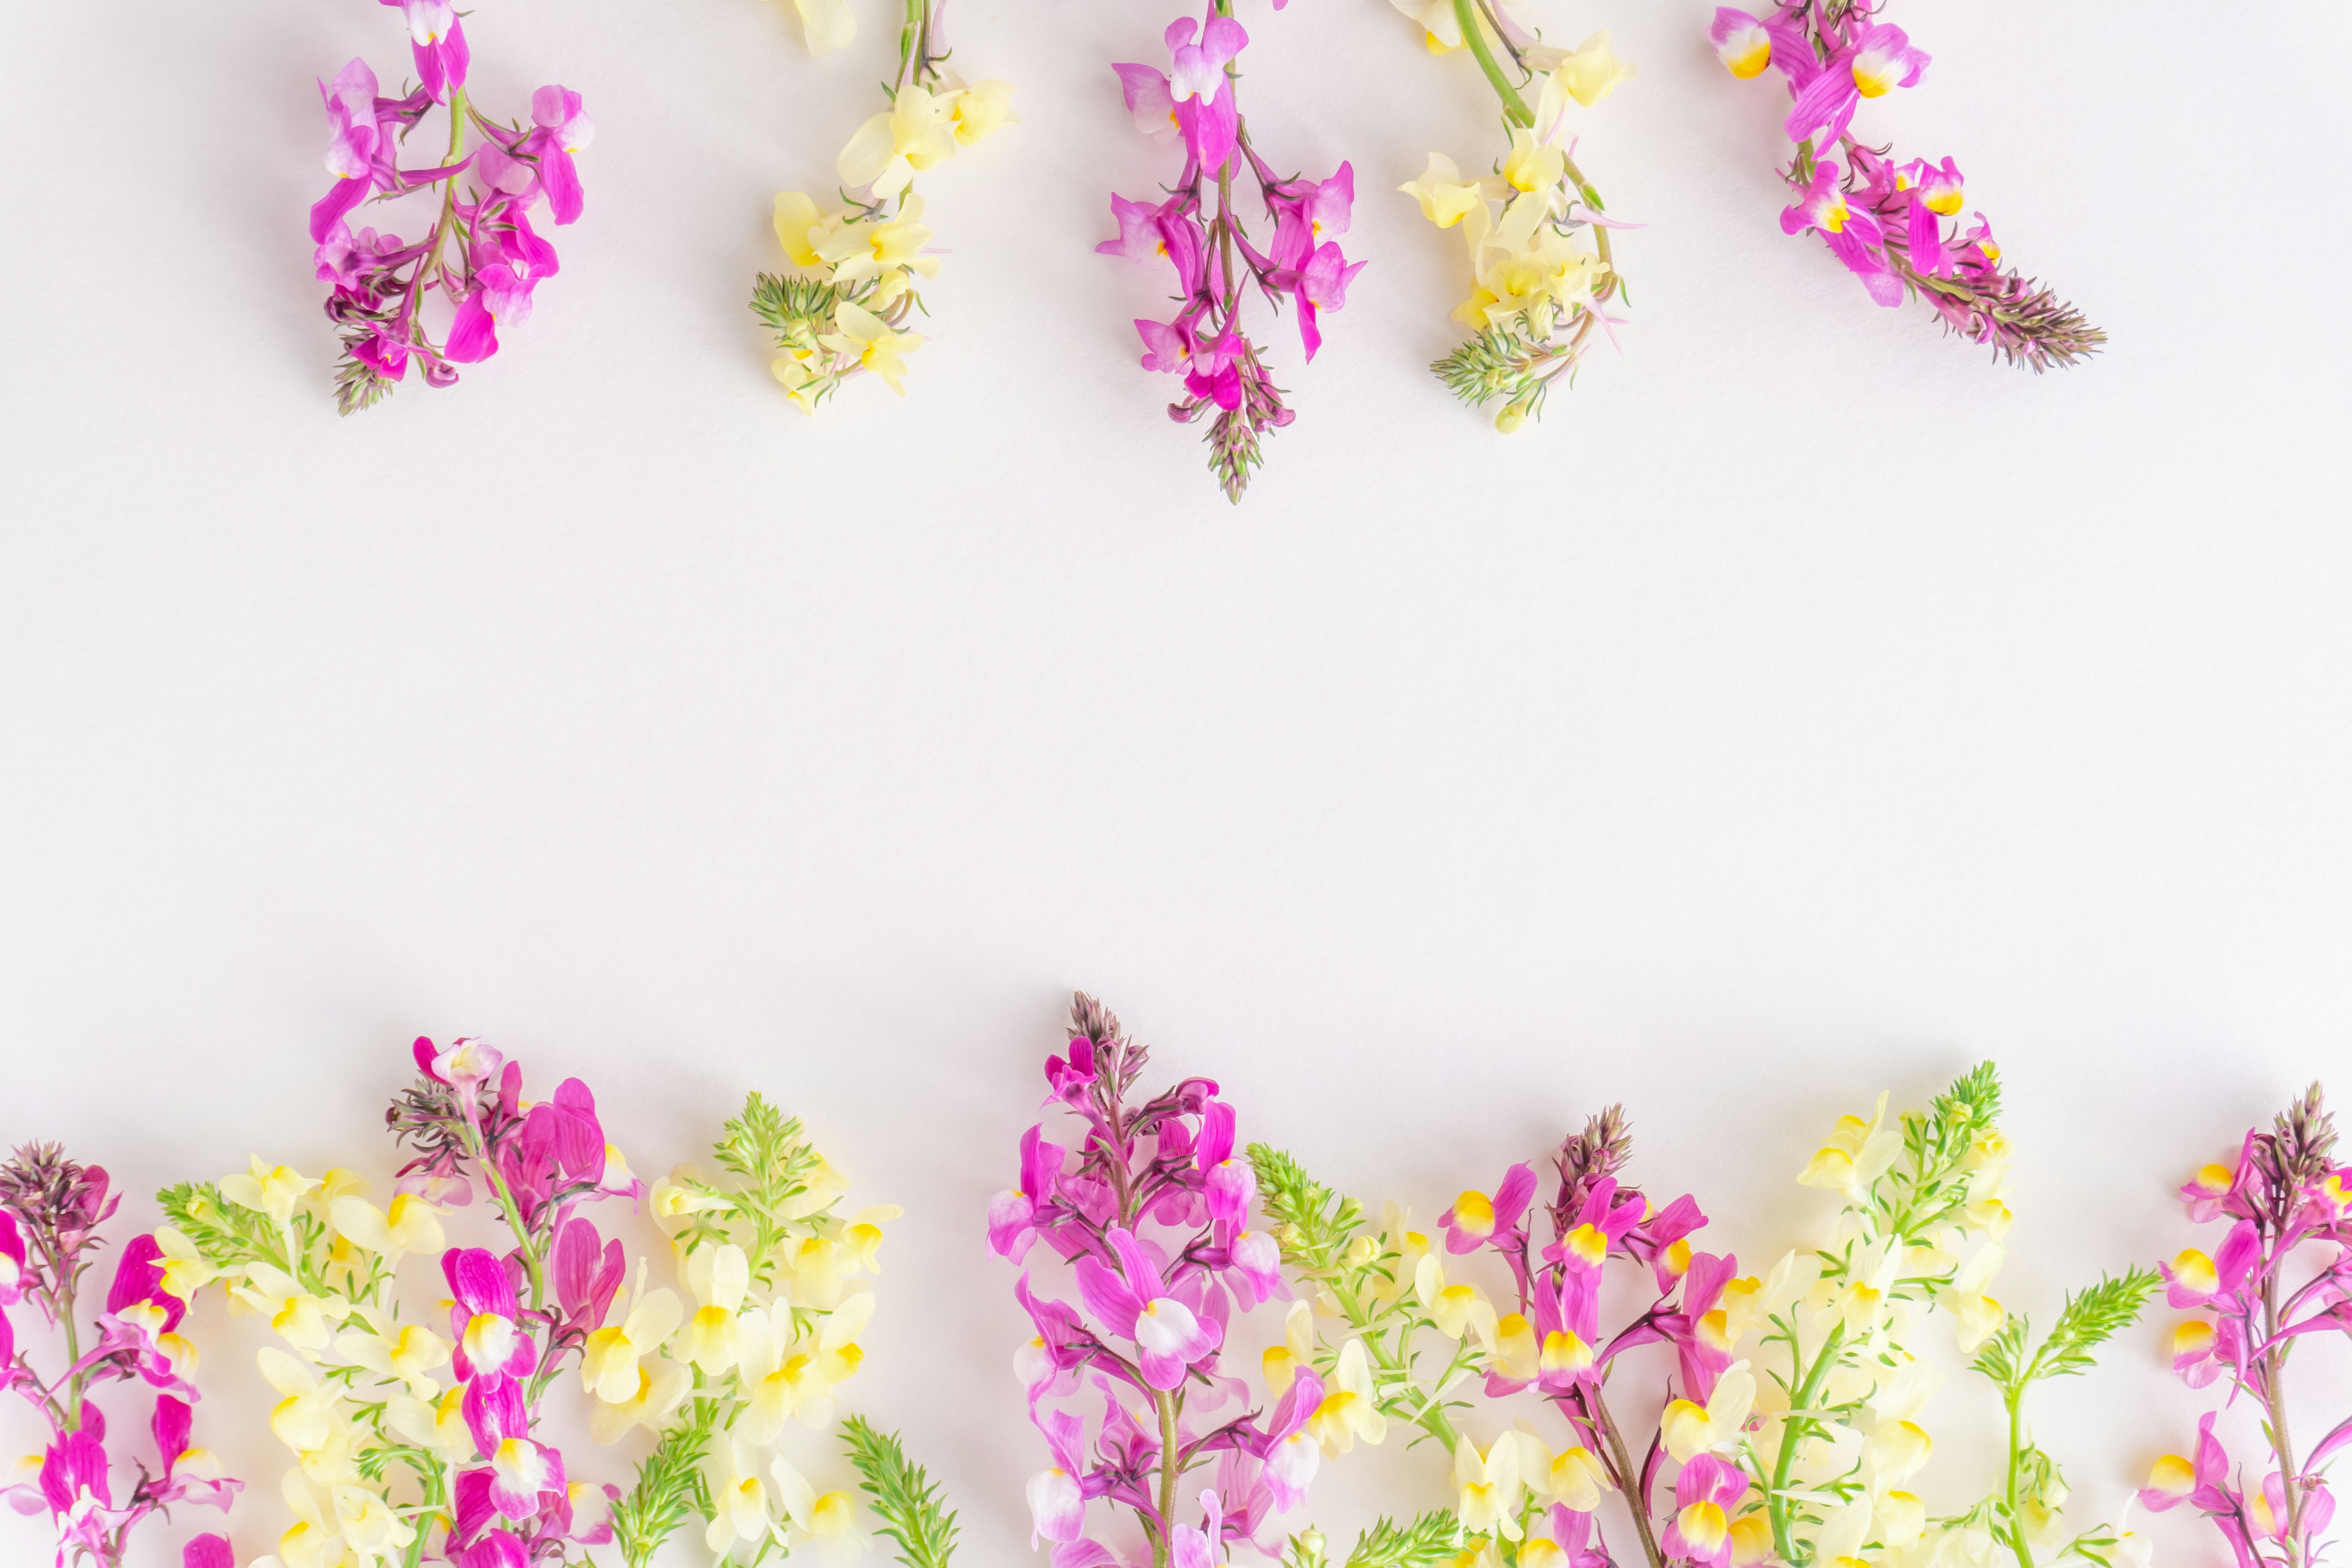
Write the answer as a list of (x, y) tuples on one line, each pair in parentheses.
[(1802, 1399), (2274, 1404), (2015, 1399), (1636, 1495), (1515, 107), (1169, 1471)]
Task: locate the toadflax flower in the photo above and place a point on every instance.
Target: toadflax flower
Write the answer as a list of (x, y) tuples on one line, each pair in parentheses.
[(853, 283), (1885, 220), (1542, 264), (2280, 1274), (1200, 231), (128, 1352), (1125, 1378), (479, 257)]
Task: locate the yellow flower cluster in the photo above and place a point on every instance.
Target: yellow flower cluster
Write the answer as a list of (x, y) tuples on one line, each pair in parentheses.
[(1524, 266), (1538, 262), (856, 270), (360, 1405), (778, 1300)]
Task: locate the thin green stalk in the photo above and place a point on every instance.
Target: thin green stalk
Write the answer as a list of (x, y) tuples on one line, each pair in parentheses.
[(1630, 1478), (2015, 1398), (1169, 1471), (1515, 107), (1801, 1399), (2274, 1399)]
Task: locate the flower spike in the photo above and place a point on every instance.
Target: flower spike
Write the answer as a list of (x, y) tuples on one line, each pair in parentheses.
[(1885, 221)]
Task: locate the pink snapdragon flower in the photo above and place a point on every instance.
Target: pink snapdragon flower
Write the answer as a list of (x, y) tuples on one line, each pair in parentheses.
[(51, 1209), (2282, 1273), (1152, 1212), (1884, 221), (439, 41), (1706, 1491), (479, 254), (1195, 229)]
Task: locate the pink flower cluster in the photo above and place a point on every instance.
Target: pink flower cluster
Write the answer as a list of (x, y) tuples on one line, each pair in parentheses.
[(50, 1210), (2282, 1273), (1153, 1217), (1198, 231), (1885, 219), (1595, 1220), (480, 253), (516, 1318)]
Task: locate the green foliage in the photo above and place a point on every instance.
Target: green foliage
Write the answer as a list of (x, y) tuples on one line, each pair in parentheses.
[(1313, 1225), (1432, 1539), (904, 1498), (773, 1162), (226, 1235), (1503, 362), (2090, 1318), (669, 1489)]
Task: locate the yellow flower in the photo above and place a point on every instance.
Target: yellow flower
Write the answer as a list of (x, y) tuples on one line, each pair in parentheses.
[(273, 1190), (1282, 1363), (829, 1519), (714, 1338), (826, 23), (1532, 165), (608, 1361), (858, 251), (301, 1319), (1464, 1307), (914, 134), (411, 1225), (1444, 196), (1349, 1409), (739, 1497), (1488, 1485), (1592, 73), (1691, 1429), (876, 346), (409, 1354), (1857, 1153), (659, 1388), (982, 108)]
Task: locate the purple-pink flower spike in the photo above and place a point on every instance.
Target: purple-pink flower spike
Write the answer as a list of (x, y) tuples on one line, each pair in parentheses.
[(50, 1210), (1885, 220), (1124, 1381), (481, 255), (1200, 231), (2282, 1273)]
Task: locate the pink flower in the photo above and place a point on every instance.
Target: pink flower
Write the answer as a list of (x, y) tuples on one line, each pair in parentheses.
[(1201, 90), (485, 1319), (12, 1263), (1854, 237), (1880, 59), (439, 41), (1292, 1456), (564, 128), (208, 1551), (1057, 1494), (1135, 1304), (1149, 100), (1701, 1528), (1474, 1218), (1323, 286), (1013, 1216)]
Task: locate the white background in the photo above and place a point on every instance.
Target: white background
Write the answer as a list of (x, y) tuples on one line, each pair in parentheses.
[(1806, 707)]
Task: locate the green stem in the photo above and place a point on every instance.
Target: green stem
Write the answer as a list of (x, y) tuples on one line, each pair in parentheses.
[(2015, 1398), (1432, 1416), (1792, 1437), (1169, 1471), (2275, 1400), (1515, 107)]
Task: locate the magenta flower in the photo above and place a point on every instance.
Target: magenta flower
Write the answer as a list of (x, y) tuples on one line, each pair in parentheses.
[(479, 254), (1136, 1304), (1700, 1530), (439, 41), (1153, 1209), (2282, 1273), (1881, 58), (1884, 221), (485, 1317), (1198, 231)]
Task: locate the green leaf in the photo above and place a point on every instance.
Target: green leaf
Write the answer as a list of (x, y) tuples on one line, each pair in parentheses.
[(1313, 1224), (668, 1490), (1434, 1537), (2090, 1318), (909, 1506)]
